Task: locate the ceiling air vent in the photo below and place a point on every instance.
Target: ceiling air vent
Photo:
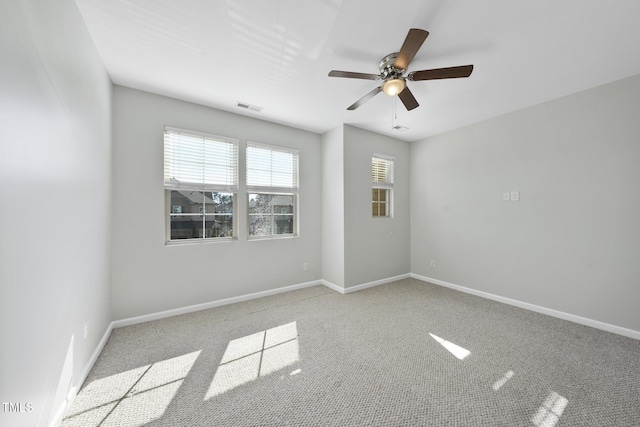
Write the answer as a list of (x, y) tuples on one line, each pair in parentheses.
[(247, 106), (400, 128)]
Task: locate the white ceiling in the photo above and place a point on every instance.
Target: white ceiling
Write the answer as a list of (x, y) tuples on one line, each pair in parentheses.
[(276, 54)]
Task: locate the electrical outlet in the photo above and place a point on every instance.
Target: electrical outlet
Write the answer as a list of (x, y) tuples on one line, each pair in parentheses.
[(515, 196), (305, 266), (433, 263), (506, 196)]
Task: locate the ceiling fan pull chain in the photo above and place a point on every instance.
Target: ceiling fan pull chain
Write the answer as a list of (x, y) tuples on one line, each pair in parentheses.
[(394, 115), (395, 107)]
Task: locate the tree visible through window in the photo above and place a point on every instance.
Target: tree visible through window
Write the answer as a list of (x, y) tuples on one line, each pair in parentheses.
[(201, 187), (381, 185), (272, 186), (271, 214)]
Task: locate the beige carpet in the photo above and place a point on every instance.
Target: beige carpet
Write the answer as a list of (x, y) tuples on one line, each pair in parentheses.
[(407, 353)]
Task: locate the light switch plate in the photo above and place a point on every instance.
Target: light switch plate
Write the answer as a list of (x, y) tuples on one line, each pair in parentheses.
[(515, 196), (506, 196)]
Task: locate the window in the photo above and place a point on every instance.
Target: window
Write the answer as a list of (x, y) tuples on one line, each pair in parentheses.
[(201, 187), (381, 186), (201, 183), (272, 188)]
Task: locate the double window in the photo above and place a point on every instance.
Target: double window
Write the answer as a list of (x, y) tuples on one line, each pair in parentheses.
[(381, 185), (202, 186)]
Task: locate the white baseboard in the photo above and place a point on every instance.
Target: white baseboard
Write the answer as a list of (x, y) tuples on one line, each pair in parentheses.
[(357, 288), (538, 309), (212, 304), (73, 391), (57, 418), (92, 360), (375, 283), (204, 306), (333, 286)]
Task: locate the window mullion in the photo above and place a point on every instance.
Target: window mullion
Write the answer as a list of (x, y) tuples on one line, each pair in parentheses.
[(274, 230), (204, 215)]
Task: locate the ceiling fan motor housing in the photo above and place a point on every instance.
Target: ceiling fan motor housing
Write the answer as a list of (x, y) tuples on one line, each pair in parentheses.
[(394, 83), (387, 69)]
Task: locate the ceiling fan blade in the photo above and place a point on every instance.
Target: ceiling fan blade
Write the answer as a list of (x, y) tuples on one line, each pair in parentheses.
[(410, 47), (352, 75), (441, 73), (365, 98), (408, 99)]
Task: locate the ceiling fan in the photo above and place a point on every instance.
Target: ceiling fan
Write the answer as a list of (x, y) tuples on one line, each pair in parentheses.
[(393, 66)]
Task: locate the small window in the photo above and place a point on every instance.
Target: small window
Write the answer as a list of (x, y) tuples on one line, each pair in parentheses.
[(380, 202), (381, 186), (200, 180), (272, 188)]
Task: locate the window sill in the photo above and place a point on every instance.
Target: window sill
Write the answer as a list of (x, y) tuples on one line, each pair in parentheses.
[(277, 237), (188, 242)]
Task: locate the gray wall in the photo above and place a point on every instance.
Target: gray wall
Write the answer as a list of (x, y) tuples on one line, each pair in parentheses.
[(55, 200), (356, 248), (572, 242), (375, 248), (333, 206), (149, 276)]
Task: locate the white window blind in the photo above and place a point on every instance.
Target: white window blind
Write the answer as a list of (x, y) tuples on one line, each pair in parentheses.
[(381, 171), (271, 169), (199, 161)]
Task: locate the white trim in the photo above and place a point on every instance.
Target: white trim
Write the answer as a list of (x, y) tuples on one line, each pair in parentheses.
[(357, 288), (59, 415), (538, 309), (57, 419), (212, 304), (383, 156), (284, 191), (375, 283), (92, 360), (281, 148), (333, 286), (73, 391), (199, 134)]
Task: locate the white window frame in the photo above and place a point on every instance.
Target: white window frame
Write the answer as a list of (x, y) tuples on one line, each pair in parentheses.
[(196, 176), (263, 180), (383, 183)]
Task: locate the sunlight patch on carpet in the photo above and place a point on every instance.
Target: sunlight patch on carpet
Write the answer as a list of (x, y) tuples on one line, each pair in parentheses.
[(134, 397), (454, 349), (253, 356), (502, 381), (550, 411)]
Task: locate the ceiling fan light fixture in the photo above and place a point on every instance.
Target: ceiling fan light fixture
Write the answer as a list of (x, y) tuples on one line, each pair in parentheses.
[(393, 67), (393, 87)]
